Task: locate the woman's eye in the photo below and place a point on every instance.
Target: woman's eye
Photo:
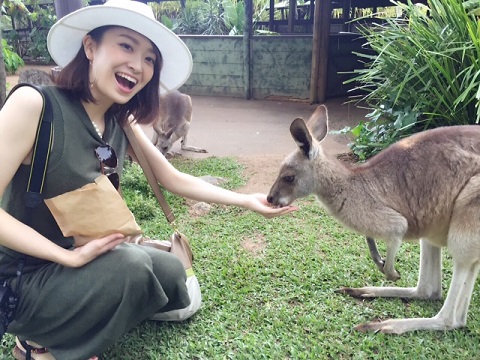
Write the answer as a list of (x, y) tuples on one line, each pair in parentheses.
[(126, 46), (150, 59)]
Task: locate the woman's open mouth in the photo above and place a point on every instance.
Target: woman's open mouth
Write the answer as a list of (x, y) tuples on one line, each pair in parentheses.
[(126, 81)]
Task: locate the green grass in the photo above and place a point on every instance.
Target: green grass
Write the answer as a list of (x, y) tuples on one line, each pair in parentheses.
[(275, 298)]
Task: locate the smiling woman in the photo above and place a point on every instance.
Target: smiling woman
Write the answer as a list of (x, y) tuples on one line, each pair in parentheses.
[(77, 298)]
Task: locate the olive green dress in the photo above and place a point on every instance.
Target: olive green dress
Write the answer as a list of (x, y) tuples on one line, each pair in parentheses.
[(78, 312)]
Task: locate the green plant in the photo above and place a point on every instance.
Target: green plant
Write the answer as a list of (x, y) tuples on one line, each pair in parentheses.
[(190, 20), (12, 60), (165, 20), (40, 18), (202, 17), (371, 137), (15, 16), (43, 19), (234, 16), (167, 13), (209, 17), (423, 69), (213, 18)]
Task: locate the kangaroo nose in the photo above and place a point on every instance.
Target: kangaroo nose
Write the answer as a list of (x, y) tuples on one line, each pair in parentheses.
[(270, 199)]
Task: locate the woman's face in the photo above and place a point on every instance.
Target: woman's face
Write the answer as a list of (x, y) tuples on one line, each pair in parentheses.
[(122, 63)]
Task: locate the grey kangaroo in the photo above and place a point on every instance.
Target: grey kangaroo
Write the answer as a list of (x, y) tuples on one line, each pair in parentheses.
[(174, 122), (424, 187)]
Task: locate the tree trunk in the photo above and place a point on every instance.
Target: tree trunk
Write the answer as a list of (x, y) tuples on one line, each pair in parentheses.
[(247, 44), (64, 7), (3, 72)]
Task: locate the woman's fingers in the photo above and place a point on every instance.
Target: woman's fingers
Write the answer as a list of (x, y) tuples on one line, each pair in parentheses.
[(262, 206), (94, 248)]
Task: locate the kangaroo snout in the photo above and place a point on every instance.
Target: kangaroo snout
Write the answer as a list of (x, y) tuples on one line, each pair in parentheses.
[(275, 196), (277, 200), (271, 200)]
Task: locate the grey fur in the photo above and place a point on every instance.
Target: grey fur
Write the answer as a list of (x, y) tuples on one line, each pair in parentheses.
[(174, 122)]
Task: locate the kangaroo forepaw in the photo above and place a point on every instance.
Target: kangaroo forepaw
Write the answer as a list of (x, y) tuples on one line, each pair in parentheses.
[(392, 276), (379, 261)]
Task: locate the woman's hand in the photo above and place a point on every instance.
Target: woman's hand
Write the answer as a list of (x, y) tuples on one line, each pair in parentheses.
[(92, 249), (259, 204)]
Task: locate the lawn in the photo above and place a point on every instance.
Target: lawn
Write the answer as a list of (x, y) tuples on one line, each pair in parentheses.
[(268, 287)]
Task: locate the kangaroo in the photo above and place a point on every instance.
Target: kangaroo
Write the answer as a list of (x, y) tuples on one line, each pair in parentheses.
[(425, 187), (173, 122)]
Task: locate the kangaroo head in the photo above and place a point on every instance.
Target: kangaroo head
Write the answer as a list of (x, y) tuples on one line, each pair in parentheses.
[(296, 177), (165, 140)]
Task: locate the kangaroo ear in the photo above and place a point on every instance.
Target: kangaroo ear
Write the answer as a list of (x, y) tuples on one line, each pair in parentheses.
[(318, 123), (301, 135)]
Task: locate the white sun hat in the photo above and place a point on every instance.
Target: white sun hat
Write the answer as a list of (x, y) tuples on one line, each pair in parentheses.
[(65, 37)]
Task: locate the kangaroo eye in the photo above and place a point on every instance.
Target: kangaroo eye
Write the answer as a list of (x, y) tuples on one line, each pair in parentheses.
[(289, 178)]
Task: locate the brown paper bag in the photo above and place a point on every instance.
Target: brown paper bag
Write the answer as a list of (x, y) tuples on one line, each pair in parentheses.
[(93, 211)]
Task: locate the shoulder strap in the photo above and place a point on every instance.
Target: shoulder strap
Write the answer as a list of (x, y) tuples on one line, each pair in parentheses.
[(41, 150), (41, 153), (147, 170)]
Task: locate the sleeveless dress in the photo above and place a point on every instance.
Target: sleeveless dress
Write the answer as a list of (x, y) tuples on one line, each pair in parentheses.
[(78, 312)]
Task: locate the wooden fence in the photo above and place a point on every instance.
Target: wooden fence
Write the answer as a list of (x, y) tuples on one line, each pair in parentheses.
[(279, 66)]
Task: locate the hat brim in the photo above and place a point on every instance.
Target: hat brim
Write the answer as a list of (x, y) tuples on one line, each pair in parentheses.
[(65, 39)]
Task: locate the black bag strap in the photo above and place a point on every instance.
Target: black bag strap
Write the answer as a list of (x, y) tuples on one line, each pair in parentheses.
[(33, 195), (41, 151)]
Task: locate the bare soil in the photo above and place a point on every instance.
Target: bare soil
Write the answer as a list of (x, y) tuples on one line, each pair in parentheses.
[(261, 172)]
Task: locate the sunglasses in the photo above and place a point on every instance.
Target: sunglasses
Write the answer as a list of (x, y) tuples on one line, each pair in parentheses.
[(108, 161)]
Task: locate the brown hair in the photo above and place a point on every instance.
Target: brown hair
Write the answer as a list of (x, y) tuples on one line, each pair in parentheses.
[(144, 106)]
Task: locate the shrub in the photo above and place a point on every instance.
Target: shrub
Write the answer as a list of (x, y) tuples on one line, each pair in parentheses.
[(43, 20), (12, 60), (424, 72)]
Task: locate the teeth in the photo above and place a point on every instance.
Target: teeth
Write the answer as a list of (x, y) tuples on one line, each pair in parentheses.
[(129, 78)]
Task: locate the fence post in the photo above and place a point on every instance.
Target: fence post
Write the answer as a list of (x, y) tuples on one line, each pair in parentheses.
[(64, 7), (247, 44)]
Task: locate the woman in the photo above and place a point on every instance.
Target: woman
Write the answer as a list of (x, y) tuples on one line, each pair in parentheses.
[(77, 300)]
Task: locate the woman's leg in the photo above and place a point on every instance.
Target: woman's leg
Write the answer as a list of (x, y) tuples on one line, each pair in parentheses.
[(175, 290), (77, 313)]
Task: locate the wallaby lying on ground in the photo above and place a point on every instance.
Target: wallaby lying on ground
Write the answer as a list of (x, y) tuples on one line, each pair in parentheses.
[(426, 187), (35, 77), (174, 122)]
